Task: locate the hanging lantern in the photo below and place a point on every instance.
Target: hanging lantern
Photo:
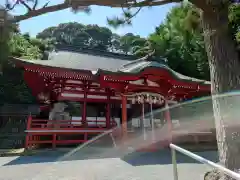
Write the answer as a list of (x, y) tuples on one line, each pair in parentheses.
[(162, 101), (142, 99), (133, 100), (139, 99), (150, 99), (159, 101), (147, 98), (155, 100)]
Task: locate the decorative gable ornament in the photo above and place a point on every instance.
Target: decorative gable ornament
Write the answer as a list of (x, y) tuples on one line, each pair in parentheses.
[(146, 98)]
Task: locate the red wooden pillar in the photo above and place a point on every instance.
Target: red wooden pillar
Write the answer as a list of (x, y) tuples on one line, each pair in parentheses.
[(124, 117), (108, 114), (169, 121), (84, 109)]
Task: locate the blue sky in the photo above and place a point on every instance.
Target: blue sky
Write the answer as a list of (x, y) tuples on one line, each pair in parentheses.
[(143, 24)]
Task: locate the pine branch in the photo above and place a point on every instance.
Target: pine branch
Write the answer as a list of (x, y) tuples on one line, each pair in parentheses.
[(33, 12), (26, 5), (40, 11), (149, 3), (9, 7), (35, 5)]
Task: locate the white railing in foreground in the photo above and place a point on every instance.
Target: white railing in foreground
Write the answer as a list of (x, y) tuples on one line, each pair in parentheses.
[(175, 148)]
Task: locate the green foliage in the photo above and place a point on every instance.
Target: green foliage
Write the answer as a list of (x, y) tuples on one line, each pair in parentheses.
[(238, 37), (125, 18), (130, 43), (234, 21), (25, 47), (91, 36), (182, 45), (13, 88), (76, 34), (21, 47), (115, 22), (179, 39)]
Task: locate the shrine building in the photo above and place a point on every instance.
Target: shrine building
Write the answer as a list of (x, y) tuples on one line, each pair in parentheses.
[(105, 90)]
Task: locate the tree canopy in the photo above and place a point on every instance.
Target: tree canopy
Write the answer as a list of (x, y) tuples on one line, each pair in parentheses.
[(93, 37)]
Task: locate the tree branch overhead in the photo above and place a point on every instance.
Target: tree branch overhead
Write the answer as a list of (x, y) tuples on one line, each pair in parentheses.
[(34, 11), (41, 11)]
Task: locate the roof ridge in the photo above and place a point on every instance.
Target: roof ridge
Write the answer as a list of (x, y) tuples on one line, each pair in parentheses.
[(144, 58), (92, 51)]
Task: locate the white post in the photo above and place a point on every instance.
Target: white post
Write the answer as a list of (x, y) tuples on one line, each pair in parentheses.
[(198, 158), (114, 143), (174, 162)]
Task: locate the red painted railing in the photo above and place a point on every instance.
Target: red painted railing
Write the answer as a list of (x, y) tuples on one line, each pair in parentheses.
[(37, 129)]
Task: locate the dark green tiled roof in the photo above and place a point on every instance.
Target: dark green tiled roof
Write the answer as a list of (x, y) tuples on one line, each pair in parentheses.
[(97, 62), (140, 65), (80, 61)]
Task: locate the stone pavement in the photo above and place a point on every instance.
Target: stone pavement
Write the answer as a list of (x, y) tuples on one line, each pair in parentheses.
[(101, 164)]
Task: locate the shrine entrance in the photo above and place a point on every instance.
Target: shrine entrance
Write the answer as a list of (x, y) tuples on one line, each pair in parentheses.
[(143, 119)]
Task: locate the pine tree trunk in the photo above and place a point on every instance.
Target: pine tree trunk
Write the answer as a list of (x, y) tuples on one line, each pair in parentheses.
[(225, 76), (4, 49)]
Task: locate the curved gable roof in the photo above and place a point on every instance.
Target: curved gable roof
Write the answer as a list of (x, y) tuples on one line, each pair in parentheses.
[(138, 66), (79, 61), (99, 61)]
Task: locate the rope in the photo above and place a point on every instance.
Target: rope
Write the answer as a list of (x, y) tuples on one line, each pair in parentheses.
[(152, 121)]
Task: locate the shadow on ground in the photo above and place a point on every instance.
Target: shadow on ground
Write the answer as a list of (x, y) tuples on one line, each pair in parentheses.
[(48, 156), (164, 157), (132, 158)]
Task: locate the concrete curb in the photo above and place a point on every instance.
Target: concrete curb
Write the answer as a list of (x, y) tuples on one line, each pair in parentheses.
[(16, 152), (9, 152), (31, 152)]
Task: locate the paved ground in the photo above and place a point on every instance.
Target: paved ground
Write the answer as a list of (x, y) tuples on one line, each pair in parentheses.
[(101, 164)]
